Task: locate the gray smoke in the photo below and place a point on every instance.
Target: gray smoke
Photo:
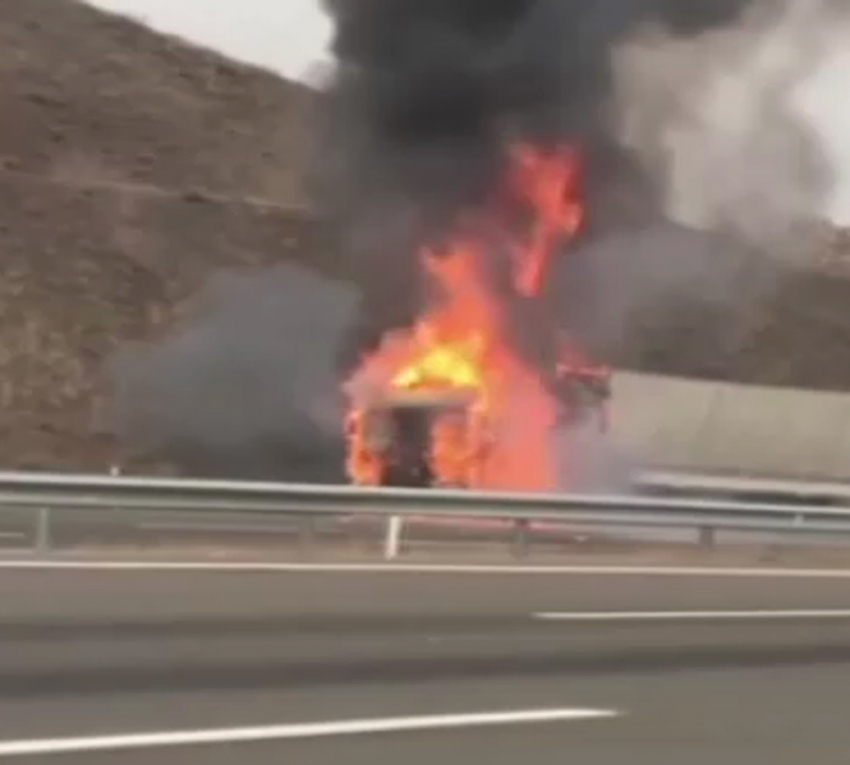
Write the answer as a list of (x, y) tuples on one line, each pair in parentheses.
[(714, 123), (617, 291), (250, 386), (715, 119)]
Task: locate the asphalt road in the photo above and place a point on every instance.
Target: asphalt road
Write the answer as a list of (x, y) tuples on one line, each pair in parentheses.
[(679, 668)]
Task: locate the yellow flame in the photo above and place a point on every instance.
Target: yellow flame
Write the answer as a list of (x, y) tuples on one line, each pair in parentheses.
[(450, 365)]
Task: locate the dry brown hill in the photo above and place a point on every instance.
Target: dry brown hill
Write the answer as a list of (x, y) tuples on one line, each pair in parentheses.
[(90, 97), (133, 165)]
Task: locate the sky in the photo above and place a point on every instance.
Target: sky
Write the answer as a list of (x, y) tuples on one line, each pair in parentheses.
[(291, 37), (287, 36)]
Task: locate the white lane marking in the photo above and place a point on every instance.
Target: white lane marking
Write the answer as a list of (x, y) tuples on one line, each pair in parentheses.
[(629, 616), (436, 568), (293, 731)]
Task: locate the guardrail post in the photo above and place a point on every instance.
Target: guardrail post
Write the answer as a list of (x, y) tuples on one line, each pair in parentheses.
[(522, 537), (42, 531), (392, 540)]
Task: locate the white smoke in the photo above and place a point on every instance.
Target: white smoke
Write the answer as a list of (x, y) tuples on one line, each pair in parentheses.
[(716, 119)]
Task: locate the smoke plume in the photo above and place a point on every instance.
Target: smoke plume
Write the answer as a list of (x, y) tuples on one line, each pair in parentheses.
[(684, 114), (250, 386), (715, 119), (684, 111)]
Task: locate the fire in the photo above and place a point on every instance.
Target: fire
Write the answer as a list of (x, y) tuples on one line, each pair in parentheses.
[(493, 413), (548, 181)]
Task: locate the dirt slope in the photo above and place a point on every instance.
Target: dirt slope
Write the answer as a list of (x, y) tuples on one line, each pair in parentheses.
[(131, 165), (91, 97)]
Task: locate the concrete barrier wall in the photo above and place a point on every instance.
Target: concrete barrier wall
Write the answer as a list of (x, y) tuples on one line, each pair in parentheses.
[(724, 428)]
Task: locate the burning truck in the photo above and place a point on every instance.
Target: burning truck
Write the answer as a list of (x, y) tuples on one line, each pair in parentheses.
[(443, 435), (489, 133), (451, 402)]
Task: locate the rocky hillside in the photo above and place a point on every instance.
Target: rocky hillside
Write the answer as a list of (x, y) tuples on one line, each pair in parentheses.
[(132, 166), (90, 98)]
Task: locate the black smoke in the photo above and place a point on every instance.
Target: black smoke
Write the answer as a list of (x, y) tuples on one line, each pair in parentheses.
[(430, 93)]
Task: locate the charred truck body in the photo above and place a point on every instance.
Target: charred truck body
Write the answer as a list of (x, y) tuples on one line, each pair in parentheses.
[(442, 439)]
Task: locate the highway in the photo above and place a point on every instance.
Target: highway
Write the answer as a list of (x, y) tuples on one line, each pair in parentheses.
[(348, 664)]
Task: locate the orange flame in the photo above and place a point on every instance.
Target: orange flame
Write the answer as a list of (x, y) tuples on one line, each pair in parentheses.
[(548, 181), (500, 439)]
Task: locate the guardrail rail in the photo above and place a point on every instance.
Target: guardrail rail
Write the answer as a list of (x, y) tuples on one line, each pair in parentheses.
[(46, 494)]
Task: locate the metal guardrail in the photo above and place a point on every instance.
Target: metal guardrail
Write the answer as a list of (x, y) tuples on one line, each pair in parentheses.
[(740, 487), (47, 493)]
